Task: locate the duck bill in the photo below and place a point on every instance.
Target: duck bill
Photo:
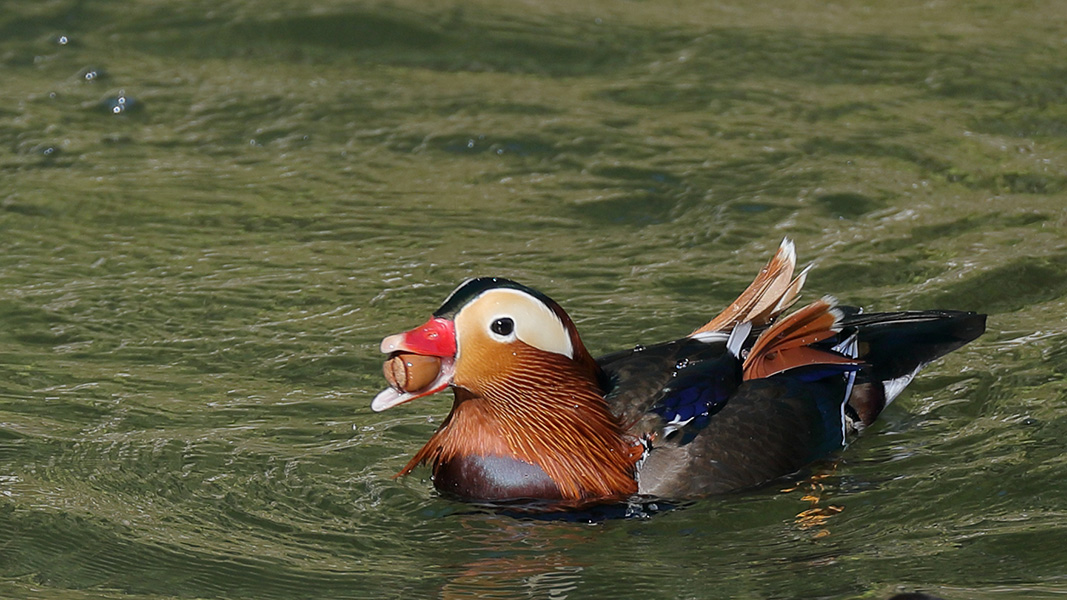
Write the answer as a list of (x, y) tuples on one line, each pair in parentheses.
[(437, 338)]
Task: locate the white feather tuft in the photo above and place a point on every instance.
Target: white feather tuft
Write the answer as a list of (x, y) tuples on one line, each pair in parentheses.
[(737, 338)]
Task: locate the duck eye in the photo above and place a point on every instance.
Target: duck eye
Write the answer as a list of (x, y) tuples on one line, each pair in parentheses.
[(503, 326)]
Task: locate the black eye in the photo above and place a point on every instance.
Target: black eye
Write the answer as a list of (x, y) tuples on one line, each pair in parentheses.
[(503, 326)]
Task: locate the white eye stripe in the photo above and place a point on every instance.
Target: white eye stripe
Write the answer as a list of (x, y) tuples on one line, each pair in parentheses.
[(532, 321)]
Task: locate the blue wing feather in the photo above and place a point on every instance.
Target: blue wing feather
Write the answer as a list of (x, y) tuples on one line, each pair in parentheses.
[(697, 393)]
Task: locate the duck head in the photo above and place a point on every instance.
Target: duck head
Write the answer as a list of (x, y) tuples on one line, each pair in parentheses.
[(529, 420), (491, 335)]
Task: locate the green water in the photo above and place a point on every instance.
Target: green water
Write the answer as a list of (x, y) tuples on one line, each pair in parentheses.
[(192, 291)]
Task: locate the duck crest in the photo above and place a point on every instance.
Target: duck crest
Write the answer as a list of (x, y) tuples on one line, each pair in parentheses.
[(551, 415)]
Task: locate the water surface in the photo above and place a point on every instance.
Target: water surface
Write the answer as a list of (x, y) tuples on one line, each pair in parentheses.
[(211, 212)]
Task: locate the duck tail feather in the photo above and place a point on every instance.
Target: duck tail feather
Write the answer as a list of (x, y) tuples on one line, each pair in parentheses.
[(895, 346)]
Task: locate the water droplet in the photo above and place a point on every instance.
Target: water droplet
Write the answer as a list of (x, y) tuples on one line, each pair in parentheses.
[(91, 74), (639, 348), (62, 40), (120, 104)]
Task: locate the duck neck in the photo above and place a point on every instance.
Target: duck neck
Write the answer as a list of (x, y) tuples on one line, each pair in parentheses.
[(558, 423)]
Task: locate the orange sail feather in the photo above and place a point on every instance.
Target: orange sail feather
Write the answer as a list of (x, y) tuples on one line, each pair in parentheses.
[(771, 292), (787, 344)]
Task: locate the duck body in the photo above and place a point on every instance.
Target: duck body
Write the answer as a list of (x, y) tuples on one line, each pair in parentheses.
[(767, 427), (748, 398)]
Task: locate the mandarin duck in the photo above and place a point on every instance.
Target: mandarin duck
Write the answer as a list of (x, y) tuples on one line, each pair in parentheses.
[(747, 398)]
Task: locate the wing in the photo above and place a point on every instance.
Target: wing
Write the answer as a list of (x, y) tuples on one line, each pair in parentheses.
[(695, 395), (636, 379)]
